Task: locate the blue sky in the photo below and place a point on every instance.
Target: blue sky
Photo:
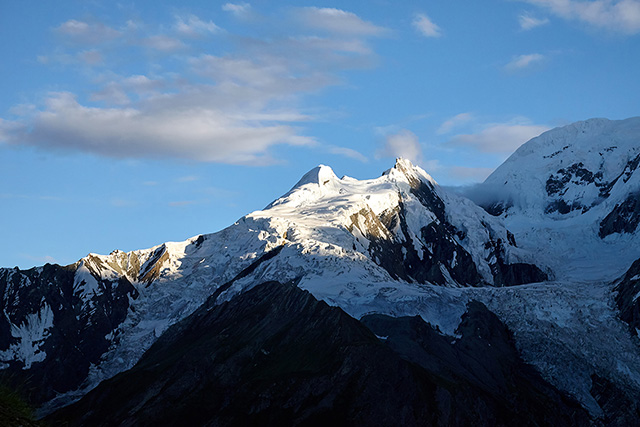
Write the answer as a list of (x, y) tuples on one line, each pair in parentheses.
[(126, 124)]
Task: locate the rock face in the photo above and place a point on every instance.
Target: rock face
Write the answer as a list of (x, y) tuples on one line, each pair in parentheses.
[(45, 359), (623, 218), (291, 360), (628, 298), (621, 407)]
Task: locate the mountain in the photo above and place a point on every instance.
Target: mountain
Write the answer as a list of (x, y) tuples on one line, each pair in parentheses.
[(556, 295), (103, 312), (578, 187)]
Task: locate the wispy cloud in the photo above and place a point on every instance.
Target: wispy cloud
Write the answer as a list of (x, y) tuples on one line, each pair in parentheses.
[(40, 259), (614, 15), (91, 57), (402, 144), (230, 108), (163, 43), (522, 62), (425, 26), (238, 9), (455, 121), (192, 26), (337, 21), (500, 138), (347, 152), (529, 22), (469, 174), (86, 32)]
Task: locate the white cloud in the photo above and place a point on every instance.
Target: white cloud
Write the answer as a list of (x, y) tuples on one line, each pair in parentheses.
[(454, 122), (425, 26), (524, 61), (614, 15), (529, 22), (347, 152), (192, 26), (120, 91), (238, 9), (337, 21), (141, 84), (84, 32), (163, 43), (402, 144), (501, 138), (47, 259), (195, 133), (91, 57), (112, 93)]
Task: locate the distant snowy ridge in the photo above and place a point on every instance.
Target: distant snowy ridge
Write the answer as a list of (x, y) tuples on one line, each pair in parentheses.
[(571, 193)]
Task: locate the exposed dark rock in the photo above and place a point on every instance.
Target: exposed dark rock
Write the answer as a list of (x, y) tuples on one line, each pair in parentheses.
[(627, 299), (271, 356), (150, 271), (424, 192), (563, 207), (511, 274), (620, 408), (556, 183), (397, 253), (245, 272), (440, 257), (516, 274), (276, 356), (623, 218), (481, 378), (78, 337), (496, 208), (15, 411), (630, 168)]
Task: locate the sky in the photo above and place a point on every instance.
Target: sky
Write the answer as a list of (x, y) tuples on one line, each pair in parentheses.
[(130, 123)]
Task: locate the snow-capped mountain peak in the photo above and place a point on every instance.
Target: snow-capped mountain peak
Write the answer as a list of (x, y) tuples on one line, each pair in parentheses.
[(569, 170), (573, 190)]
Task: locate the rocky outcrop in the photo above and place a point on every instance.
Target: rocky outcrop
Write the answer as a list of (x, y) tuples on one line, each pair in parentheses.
[(628, 298), (441, 258), (620, 406), (623, 218)]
